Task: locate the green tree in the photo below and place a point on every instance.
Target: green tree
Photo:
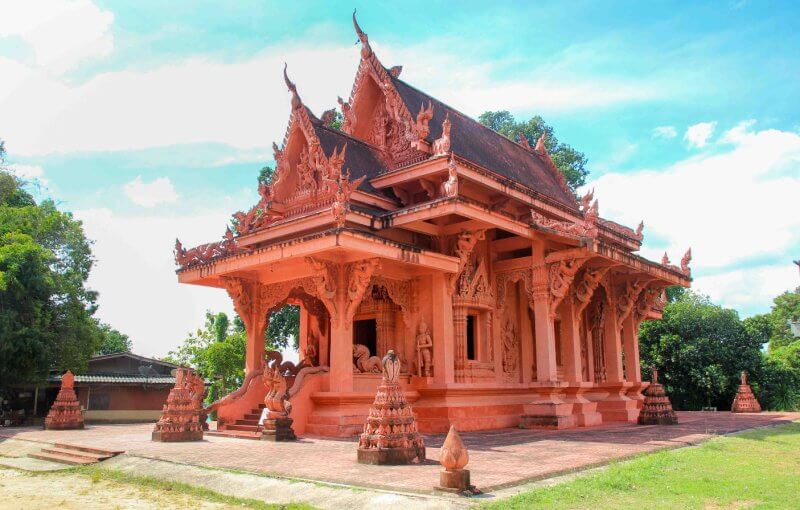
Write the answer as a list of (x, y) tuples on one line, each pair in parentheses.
[(44, 303), (111, 340), (26, 285), (784, 308), (216, 354), (570, 161), (700, 349)]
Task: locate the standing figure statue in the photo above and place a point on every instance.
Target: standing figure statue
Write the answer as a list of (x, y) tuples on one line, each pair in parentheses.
[(424, 350)]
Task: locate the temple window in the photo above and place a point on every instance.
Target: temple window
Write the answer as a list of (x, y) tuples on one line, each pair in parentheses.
[(471, 337)]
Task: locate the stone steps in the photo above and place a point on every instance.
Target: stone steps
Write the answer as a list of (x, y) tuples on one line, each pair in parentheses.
[(73, 454)]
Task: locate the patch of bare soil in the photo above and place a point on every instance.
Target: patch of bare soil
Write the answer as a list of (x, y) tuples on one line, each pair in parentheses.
[(71, 491)]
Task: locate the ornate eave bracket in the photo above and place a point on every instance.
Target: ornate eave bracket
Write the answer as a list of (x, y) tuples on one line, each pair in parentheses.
[(587, 284), (464, 245), (561, 274)]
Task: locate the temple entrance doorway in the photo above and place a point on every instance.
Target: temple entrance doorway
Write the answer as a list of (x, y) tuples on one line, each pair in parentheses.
[(365, 332)]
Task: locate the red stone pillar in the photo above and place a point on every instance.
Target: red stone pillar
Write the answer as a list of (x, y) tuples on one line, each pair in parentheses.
[(254, 352), (545, 328), (385, 334), (612, 346), (630, 344), (570, 342), (342, 358), (442, 330)]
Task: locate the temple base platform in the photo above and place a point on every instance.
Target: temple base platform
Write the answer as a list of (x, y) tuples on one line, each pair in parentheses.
[(391, 456), (63, 425), (165, 436)]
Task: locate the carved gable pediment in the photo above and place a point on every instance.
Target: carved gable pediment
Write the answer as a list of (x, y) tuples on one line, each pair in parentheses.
[(377, 114)]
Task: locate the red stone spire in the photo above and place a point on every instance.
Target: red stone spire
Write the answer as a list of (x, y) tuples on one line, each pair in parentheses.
[(657, 409), (745, 401), (65, 413), (180, 419), (390, 433)]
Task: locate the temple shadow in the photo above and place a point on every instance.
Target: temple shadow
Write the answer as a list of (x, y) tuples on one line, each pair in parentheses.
[(693, 428)]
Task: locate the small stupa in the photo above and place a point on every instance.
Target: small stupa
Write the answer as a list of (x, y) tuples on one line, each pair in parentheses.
[(65, 413), (745, 401), (390, 434), (656, 409), (180, 418)]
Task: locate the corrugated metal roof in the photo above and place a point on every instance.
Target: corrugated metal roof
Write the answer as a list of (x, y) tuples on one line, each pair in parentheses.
[(117, 379)]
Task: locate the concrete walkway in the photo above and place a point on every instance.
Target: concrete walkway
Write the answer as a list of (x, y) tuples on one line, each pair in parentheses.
[(323, 472)]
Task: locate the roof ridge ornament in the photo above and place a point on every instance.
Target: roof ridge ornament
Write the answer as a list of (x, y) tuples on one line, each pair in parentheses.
[(586, 200), (523, 140), (540, 147), (366, 49), (441, 146), (296, 101), (687, 257)]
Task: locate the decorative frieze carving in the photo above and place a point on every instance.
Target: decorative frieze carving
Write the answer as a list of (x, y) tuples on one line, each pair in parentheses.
[(587, 227), (399, 291), (511, 277), (510, 351), (205, 252)]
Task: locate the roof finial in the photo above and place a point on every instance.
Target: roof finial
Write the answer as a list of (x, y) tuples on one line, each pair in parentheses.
[(540, 143), (296, 102), (523, 140), (640, 229), (366, 50)]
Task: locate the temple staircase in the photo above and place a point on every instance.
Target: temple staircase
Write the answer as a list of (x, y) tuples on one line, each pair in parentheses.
[(244, 428), (74, 454)]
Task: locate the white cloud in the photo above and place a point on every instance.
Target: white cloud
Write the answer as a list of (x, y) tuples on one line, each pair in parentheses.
[(150, 194), (135, 275), (742, 288), (698, 134), (244, 103), (730, 207), (62, 33), (665, 132), (28, 172)]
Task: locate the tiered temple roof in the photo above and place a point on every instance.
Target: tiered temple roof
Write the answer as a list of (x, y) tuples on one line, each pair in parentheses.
[(392, 156)]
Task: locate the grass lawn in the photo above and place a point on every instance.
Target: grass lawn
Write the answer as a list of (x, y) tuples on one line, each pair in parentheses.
[(757, 469)]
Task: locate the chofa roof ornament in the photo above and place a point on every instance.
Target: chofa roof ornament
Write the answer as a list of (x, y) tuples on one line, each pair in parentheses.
[(296, 102), (366, 49)]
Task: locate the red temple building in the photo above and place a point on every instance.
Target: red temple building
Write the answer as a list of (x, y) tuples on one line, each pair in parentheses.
[(414, 228)]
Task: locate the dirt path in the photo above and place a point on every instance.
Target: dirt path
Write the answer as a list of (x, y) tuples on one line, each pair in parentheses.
[(72, 491)]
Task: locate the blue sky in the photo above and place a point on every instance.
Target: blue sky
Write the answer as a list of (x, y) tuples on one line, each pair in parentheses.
[(151, 120)]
